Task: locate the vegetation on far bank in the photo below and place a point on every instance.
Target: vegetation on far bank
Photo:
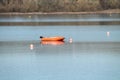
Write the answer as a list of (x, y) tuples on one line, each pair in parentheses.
[(57, 5)]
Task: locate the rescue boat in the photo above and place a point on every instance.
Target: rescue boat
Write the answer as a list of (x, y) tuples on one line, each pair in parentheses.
[(56, 38)]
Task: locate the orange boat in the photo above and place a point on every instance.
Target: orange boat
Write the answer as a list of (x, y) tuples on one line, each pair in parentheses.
[(52, 42), (57, 38)]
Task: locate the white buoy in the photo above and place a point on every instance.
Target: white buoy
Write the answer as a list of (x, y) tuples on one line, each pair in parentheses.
[(70, 40), (29, 16), (108, 33), (31, 46)]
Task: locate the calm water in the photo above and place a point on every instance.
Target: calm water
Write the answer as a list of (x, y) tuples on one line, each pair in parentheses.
[(60, 18), (89, 52)]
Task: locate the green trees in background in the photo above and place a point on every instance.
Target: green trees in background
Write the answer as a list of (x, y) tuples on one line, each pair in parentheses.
[(57, 5)]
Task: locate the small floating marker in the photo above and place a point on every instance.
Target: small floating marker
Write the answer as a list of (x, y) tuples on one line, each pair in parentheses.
[(70, 40), (108, 34), (31, 46), (29, 16)]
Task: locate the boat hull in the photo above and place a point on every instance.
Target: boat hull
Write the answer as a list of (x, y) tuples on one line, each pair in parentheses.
[(52, 38)]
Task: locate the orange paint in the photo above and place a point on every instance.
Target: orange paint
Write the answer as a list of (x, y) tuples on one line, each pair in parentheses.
[(57, 38)]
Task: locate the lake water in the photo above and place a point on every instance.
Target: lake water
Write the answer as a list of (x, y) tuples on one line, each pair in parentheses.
[(90, 51)]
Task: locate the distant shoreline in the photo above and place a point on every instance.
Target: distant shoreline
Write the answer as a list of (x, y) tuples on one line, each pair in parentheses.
[(111, 11)]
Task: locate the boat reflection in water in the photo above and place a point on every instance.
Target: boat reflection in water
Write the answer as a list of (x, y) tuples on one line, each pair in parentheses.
[(52, 42)]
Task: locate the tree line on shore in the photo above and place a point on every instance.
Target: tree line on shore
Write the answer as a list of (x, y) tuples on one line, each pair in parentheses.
[(57, 5)]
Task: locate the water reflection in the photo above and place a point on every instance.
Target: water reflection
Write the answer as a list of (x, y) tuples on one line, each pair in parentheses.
[(60, 18), (40, 20), (55, 43), (58, 47)]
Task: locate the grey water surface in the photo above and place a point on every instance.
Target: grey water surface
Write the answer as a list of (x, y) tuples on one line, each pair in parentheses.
[(89, 52)]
